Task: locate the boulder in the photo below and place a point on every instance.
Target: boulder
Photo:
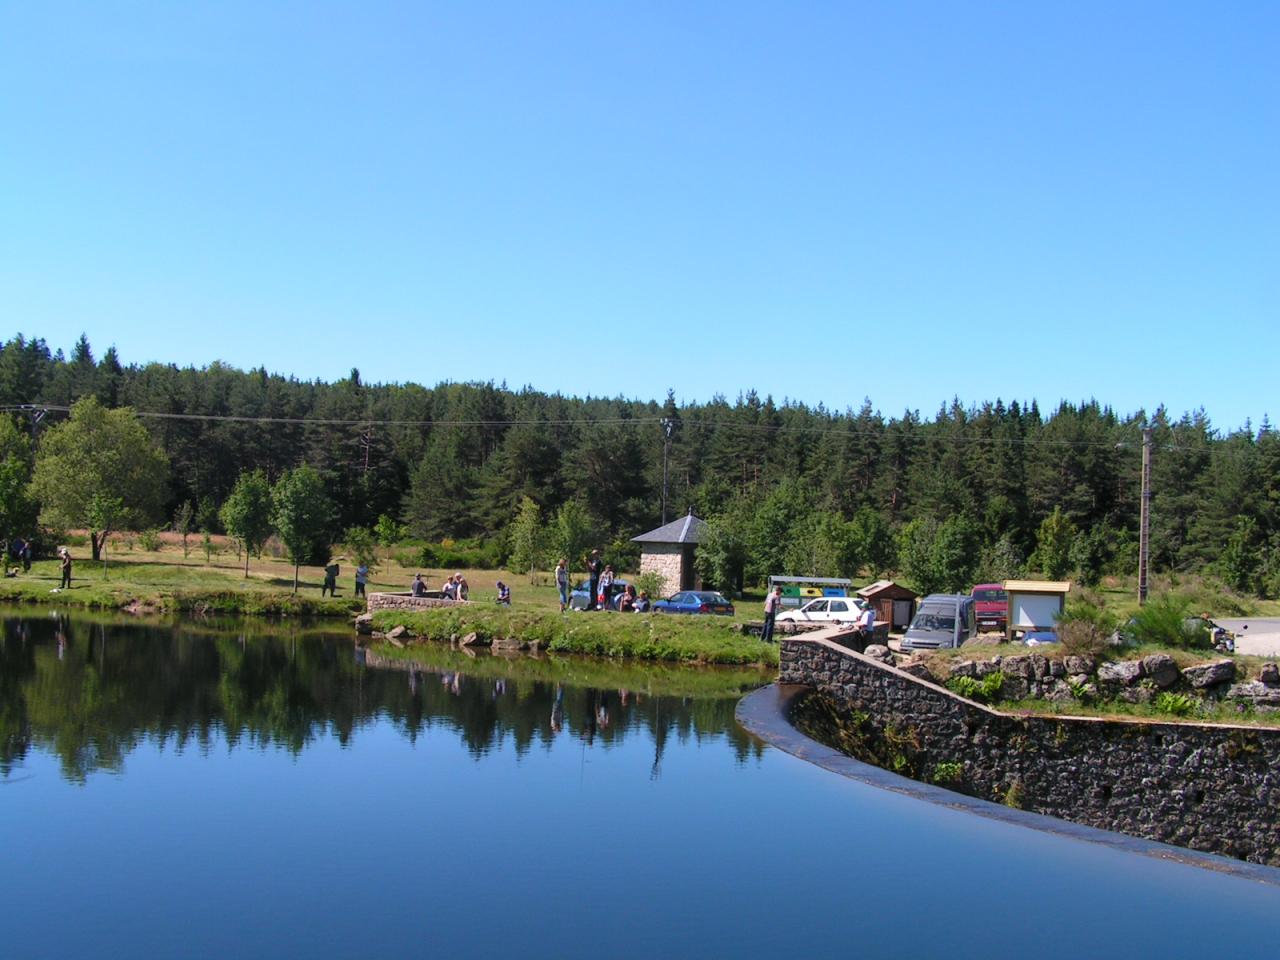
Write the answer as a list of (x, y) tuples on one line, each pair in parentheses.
[(1039, 666), (1076, 665), (1017, 667), (963, 668), (1161, 669), (508, 643), (1127, 672), (918, 669), (395, 633), (473, 639), (1270, 674), (1057, 669), (1256, 692), (878, 651), (983, 668), (364, 624), (1204, 675)]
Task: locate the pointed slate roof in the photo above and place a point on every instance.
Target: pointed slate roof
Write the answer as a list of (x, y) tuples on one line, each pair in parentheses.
[(680, 530)]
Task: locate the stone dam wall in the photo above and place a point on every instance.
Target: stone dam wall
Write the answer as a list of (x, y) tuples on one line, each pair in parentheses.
[(405, 601), (1209, 787)]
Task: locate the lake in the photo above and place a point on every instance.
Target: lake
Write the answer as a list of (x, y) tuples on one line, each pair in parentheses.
[(258, 790)]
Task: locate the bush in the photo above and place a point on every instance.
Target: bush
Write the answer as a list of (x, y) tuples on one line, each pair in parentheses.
[(1086, 626), (459, 555), (1164, 622), (149, 540), (652, 583), (1175, 704)]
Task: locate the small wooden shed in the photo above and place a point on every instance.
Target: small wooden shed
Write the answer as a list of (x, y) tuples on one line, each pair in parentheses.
[(1034, 604), (668, 551), (894, 604)]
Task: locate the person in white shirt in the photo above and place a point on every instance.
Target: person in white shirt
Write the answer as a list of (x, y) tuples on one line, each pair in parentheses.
[(771, 604)]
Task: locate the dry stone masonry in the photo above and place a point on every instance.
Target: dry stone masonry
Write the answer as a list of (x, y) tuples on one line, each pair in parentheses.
[(1214, 787)]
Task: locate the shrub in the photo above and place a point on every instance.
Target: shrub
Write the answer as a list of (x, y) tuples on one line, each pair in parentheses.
[(1175, 704), (149, 540), (1086, 626), (652, 583), (984, 691), (1164, 622), (948, 772), (966, 687)]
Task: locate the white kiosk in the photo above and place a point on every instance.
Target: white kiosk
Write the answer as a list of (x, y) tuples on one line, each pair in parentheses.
[(1034, 604)]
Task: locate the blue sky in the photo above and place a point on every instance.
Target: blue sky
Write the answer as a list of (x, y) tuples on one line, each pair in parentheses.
[(826, 202)]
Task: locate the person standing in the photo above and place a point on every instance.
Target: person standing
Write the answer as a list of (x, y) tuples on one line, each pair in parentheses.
[(771, 604), (330, 580), (362, 577), (606, 588), (594, 566), (562, 583), (64, 557), (867, 622)]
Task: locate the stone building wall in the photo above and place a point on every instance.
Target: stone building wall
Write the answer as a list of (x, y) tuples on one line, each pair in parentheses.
[(1208, 787), (664, 559)]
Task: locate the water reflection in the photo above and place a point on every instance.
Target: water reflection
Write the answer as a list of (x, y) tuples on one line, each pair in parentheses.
[(89, 691)]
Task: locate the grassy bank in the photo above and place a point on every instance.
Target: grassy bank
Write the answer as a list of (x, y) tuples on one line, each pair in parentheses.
[(620, 636), (652, 679)]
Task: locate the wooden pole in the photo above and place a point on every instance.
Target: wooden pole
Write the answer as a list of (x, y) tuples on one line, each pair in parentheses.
[(1144, 522)]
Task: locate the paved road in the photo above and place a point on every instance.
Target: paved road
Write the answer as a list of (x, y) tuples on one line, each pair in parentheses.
[(1256, 636)]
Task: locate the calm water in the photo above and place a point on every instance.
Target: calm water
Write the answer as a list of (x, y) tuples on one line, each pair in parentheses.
[(200, 792)]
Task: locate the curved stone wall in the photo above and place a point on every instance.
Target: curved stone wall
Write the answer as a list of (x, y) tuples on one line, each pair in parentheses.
[(1207, 787)]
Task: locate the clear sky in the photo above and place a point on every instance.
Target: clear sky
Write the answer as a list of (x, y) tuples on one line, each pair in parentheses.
[(826, 202)]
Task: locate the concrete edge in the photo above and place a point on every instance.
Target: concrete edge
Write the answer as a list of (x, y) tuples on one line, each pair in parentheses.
[(766, 713)]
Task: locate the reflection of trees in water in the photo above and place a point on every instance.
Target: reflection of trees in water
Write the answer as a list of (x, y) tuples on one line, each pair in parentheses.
[(93, 695)]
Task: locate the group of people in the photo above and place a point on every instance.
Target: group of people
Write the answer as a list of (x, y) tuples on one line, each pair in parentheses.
[(600, 588), (330, 584), (455, 587)]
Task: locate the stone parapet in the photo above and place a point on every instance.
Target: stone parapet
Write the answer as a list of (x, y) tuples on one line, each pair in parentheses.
[(1210, 787), (406, 601)]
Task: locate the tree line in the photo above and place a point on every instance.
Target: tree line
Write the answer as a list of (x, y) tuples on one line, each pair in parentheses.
[(975, 491)]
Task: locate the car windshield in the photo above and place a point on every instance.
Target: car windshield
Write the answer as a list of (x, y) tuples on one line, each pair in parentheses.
[(991, 596), (935, 621)]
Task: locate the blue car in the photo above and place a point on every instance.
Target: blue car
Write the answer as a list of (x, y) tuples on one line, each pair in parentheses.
[(695, 601), (581, 595)]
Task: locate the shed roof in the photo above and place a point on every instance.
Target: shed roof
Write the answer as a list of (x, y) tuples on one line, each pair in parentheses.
[(1037, 586), (687, 529), (888, 587)]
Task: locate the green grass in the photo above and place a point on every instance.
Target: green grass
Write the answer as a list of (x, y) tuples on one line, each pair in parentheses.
[(628, 636), (653, 679)]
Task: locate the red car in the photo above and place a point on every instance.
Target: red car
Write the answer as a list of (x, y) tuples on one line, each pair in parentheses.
[(992, 606)]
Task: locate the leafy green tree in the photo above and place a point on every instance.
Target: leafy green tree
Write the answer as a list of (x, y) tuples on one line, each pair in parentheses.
[(183, 518), (573, 532), (1053, 545), (387, 531), (246, 514), (17, 509), (95, 460), (362, 544), (301, 513), (1241, 563), (527, 537), (722, 552), (870, 541), (939, 556), (1090, 553)]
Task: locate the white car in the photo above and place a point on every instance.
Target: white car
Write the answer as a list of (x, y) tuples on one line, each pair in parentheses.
[(825, 610)]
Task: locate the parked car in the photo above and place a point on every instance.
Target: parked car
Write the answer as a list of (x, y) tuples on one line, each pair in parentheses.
[(942, 620), (581, 594), (825, 610), (695, 601), (992, 606)]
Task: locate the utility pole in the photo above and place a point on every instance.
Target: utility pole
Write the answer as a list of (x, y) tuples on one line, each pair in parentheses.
[(1144, 518), (668, 425)]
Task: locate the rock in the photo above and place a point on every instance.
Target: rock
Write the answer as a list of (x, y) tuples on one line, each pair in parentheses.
[(1270, 674), (963, 668), (473, 639), (364, 624), (1057, 691), (918, 669), (1039, 666), (878, 651), (1257, 692), (1014, 688), (1162, 669), (395, 633), (1127, 672), (1017, 667), (1080, 664), (1057, 669), (508, 643), (983, 668), (1210, 674)]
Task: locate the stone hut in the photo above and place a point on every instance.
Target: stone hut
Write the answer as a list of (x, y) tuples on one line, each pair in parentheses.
[(668, 552)]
